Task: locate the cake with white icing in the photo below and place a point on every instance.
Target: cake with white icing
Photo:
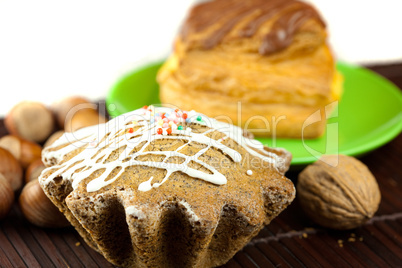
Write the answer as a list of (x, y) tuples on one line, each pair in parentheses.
[(161, 187)]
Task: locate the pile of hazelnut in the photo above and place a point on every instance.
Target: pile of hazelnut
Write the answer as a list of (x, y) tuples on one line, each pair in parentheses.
[(33, 126)]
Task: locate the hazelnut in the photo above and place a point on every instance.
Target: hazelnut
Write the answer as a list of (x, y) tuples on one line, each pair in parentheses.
[(30, 120), (83, 118), (34, 170), (11, 169), (23, 150), (338, 192), (38, 209), (6, 196), (53, 138), (76, 112), (63, 107)]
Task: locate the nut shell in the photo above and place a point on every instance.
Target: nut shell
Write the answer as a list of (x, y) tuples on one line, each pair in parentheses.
[(338, 192), (34, 170), (11, 169), (83, 118), (6, 197), (76, 112), (64, 106), (30, 120), (38, 209), (23, 150)]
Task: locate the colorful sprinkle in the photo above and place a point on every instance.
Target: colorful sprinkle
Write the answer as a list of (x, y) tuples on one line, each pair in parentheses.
[(249, 172), (168, 122), (131, 130), (199, 118), (145, 107)]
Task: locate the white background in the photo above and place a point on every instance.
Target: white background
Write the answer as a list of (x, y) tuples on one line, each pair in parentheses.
[(53, 49)]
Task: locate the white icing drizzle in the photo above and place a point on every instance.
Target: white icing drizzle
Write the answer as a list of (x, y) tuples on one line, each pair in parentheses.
[(187, 206), (119, 133), (145, 186)]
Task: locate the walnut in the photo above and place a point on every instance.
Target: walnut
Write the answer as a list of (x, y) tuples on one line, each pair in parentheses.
[(338, 192)]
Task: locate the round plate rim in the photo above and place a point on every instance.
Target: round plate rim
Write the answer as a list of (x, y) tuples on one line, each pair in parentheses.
[(394, 127)]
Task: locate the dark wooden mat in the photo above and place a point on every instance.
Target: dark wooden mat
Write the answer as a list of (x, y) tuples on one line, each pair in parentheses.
[(291, 240)]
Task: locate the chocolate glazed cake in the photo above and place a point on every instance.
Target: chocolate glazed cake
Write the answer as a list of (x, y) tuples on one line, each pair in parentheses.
[(159, 187), (268, 61)]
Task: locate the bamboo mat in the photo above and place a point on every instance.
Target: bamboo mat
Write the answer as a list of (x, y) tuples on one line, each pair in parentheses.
[(291, 240)]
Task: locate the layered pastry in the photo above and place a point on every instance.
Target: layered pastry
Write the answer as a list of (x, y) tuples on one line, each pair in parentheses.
[(264, 65), (160, 187)]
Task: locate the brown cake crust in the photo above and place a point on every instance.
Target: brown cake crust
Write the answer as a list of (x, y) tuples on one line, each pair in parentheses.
[(186, 222)]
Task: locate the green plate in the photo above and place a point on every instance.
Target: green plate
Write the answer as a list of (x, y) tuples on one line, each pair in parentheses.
[(368, 116)]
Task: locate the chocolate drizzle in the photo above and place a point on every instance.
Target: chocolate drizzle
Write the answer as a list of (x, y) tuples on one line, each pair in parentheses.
[(228, 13)]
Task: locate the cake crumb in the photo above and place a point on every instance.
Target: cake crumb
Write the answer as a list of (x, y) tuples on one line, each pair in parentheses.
[(305, 235), (361, 239), (351, 239), (340, 243), (77, 244), (353, 235)]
